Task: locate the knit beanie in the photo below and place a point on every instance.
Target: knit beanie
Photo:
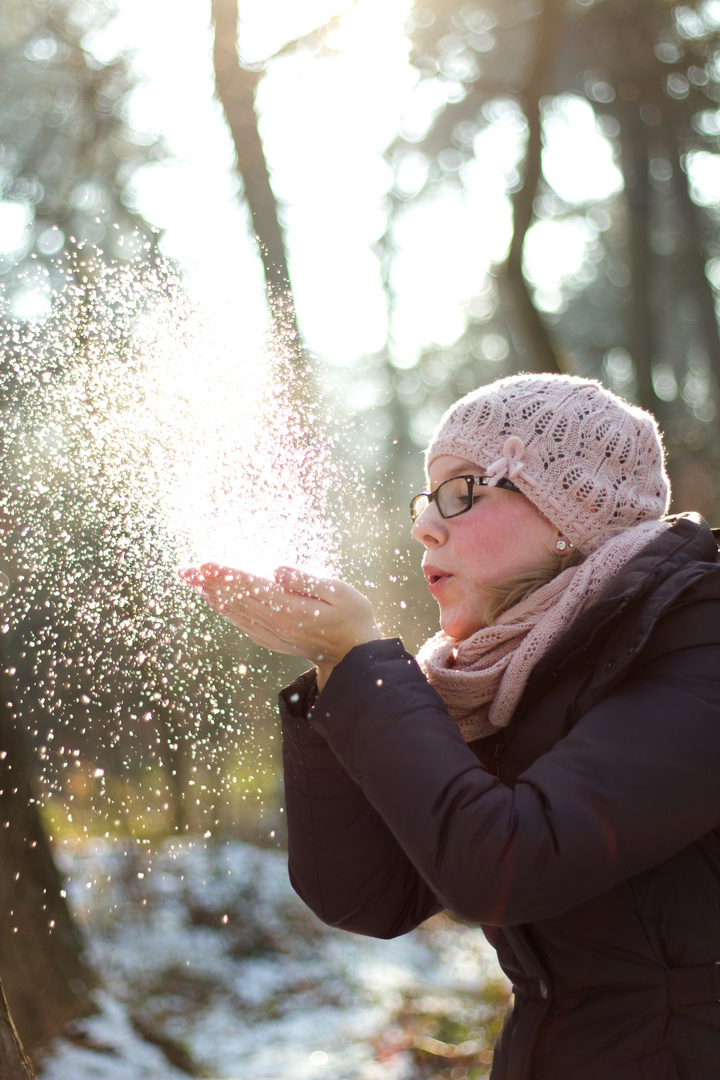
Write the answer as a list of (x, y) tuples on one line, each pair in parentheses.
[(591, 463)]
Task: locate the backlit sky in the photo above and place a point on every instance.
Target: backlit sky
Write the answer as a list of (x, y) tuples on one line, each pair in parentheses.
[(325, 122)]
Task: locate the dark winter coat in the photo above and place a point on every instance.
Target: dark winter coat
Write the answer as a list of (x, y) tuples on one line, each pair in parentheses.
[(585, 838)]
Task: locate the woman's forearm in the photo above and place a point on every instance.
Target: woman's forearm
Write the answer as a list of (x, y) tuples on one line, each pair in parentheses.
[(344, 862)]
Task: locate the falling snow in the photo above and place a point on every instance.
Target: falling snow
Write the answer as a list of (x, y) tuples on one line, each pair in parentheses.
[(135, 441)]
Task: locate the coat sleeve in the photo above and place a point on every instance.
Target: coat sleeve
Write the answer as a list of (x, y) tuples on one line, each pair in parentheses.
[(635, 781), (343, 859)]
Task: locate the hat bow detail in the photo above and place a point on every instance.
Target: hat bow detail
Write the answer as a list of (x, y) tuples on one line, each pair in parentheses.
[(510, 464)]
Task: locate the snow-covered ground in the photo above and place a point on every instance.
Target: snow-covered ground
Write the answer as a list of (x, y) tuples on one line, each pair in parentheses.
[(213, 967)]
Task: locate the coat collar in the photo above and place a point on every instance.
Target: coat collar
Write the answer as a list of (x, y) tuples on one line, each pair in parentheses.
[(647, 585)]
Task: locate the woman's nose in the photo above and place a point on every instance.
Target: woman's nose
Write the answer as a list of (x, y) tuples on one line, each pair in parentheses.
[(428, 528)]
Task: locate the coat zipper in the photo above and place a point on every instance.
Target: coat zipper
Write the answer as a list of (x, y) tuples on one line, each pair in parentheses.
[(500, 749)]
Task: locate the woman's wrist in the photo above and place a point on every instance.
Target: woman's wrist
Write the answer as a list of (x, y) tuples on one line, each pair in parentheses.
[(323, 674), (324, 668)]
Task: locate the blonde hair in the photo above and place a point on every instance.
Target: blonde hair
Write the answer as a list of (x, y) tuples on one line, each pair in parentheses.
[(520, 586)]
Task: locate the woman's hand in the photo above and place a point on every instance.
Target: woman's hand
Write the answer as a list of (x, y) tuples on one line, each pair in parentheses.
[(295, 613)]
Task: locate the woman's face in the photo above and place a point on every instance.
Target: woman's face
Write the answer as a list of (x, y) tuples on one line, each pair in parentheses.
[(500, 536)]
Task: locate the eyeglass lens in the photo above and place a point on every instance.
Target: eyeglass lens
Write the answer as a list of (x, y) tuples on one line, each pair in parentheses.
[(453, 497)]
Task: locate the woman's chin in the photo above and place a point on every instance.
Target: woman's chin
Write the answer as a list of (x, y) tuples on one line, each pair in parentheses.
[(460, 627)]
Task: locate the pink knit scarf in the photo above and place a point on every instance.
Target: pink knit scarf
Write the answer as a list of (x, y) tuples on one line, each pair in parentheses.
[(481, 678)]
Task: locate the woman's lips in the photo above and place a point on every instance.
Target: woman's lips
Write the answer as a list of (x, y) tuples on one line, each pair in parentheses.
[(436, 578)]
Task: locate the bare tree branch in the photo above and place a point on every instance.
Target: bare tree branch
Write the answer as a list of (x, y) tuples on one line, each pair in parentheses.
[(310, 40)]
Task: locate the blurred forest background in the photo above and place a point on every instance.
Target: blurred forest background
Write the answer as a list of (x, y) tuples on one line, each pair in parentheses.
[(542, 195)]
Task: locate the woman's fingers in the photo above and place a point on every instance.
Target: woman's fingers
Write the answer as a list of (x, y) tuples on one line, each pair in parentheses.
[(218, 586), (222, 582), (242, 596), (267, 638), (215, 578), (298, 581), (295, 612)]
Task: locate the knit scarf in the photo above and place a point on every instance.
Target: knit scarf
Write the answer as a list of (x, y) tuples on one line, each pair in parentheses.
[(482, 677)]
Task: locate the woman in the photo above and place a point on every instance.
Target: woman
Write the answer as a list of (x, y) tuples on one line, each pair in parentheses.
[(550, 767)]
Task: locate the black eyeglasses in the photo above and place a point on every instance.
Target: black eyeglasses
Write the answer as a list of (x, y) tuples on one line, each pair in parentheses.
[(454, 496)]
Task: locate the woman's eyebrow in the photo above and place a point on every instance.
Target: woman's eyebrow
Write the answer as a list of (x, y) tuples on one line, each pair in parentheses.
[(465, 469)]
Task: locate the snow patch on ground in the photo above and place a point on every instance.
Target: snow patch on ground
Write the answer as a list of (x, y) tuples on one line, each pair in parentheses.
[(213, 967)]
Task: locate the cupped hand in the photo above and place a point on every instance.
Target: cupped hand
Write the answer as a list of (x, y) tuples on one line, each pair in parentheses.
[(293, 612)]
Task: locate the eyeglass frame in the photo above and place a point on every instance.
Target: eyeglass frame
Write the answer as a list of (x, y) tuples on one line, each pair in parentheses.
[(472, 482)]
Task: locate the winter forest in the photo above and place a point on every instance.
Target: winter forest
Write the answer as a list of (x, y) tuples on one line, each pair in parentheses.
[(250, 250)]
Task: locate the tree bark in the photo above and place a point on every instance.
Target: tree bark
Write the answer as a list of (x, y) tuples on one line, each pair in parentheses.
[(14, 1062), (236, 87), (541, 353), (641, 336), (693, 245), (45, 978)]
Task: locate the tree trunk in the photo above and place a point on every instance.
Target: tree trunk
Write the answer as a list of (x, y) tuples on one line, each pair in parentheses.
[(14, 1062), (173, 725), (641, 336), (693, 251), (292, 389), (540, 351), (236, 88), (46, 981)]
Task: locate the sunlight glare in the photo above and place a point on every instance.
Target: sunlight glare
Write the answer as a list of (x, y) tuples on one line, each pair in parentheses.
[(15, 218), (267, 25), (31, 304), (435, 268), (555, 250), (578, 160), (704, 171)]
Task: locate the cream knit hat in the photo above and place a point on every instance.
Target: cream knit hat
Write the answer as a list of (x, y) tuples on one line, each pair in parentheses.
[(590, 462)]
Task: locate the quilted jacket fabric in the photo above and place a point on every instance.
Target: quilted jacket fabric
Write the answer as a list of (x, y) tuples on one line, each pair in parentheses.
[(584, 838)]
